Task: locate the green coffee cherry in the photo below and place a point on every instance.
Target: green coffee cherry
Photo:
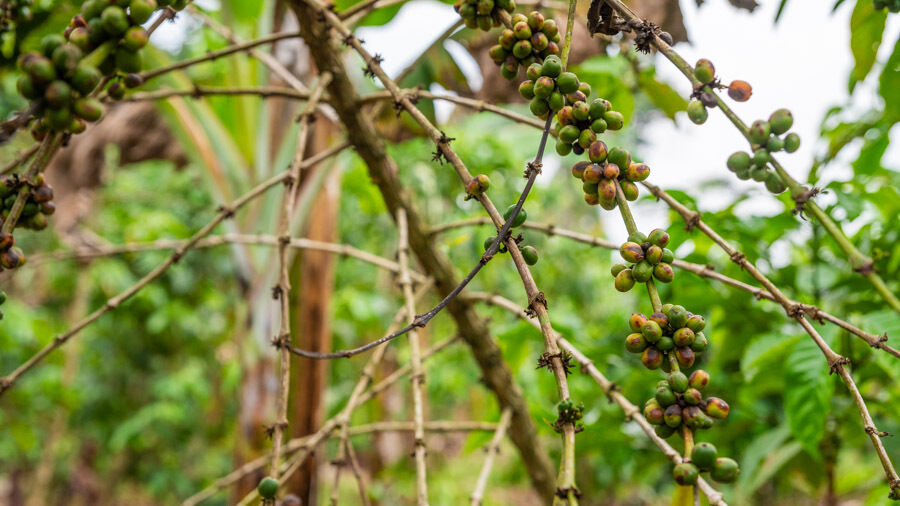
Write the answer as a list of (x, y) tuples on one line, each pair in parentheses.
[(725, 470), (658, 237), (738, 161), (759, 173), (677, 316), (692, 396), (774, 144), (139, 11), (668, 256), (567, 82), (638, 237), (614, 120), (704, 456), (665, 396), (629, 190), (791, 142), (530, 254), (642, 271), (135, 38), (619, 156), (774, 183), (759, 132), (115, 22), (129, 61), (58, 119), (664, 431), (520, 218), (685, 474), (552, 66), (697, 112), (665, 343), (704, 71), (624, 280), (678, 382), (761, 157), (653, 255), (781, 121), (683, 337), (88, 109), (85, 78), (672, 416), (268, 487), (563, 148), (598, 108), (696, 323), (58, 94), (635, 343), (632, 252), (651, 331), (701, 343)]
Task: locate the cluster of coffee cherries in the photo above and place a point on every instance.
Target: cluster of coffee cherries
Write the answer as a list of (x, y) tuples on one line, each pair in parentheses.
[(704, 457), (483, 14), (34, 215), (531, 40), (649, 258), (579, 122), (105, 39), (672, 331), (764, 139), (679, 401), (605, 168), (549, 88), (13, 11), (705, 72), (891, 5), (529, 253)]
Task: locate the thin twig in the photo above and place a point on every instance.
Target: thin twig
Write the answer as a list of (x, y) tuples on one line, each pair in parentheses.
[(114, 302), (415, 360), (45, 154), (836, 363), (20, 158), (492, 450)]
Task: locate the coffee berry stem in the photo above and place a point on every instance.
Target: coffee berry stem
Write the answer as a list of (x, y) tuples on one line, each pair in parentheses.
[(95, 58), (567, 42), (625, 211), (45, 153)]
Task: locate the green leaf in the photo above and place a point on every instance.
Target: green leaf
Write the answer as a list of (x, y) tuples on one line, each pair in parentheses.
[(866, 28), (661, 94), (807, 394), (765, 352), (889, 85)]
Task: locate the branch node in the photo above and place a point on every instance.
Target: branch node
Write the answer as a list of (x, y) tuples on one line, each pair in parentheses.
[(873, 431), (802, 198), (226, 211), (546, 361), (692, 221), (738, 258), (868, 267), (837, 364)]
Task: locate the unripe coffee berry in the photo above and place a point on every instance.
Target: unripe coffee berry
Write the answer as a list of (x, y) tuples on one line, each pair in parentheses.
[(520, 218), (781, 121), (704, 71), (668, 256), (678, 382), (696, 323), (659, 237), (619, 156), (665, 343), (738, 161), (725, 470), (685, 474), (664, 395), (653, 254), (663, 272), (697, 112), (526, 89), (268, 487), (677, 316), (664, 431), (672, 416), (629, 190), (598, 153), (642, 271), (774, 183), (552, 66), (534, 70), (740, 91), (683, 337), (774, 144), (614, 120), (636, 322), (761, 157), (530, 254), (701, 343), (791, 142), (567, 82), (692, 396), (704, 456), (759, 132)]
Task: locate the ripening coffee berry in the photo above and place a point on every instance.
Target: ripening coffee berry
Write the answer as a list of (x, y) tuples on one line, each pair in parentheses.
[(12, 258), (543, 87), (636, 322), (568, 133), (268, 487), (610, 171), (697, 112), (698, 379), (660, 318), (683, 337), (663, 272), (526, 89), (677, 316), (598, 153), (717, 408), (692, 396), (738, 161), (88, 108), (653, 412), (668, 256), (520, 218), (534, 70), (579, 168), (685, 474), (651, 331), (672, 416), (704, 456), (606, 188), (637, 172), (116, 91), (624, 280), (586, 138), (691, 415), (781, 121), (653, 254), (704, 71), (591, 199), (658, 237), (592, 174), (635, 343), (791, 142), (530, 254), (651, 358), (696, 323), (478, 184), (6, 241), (725, 470), (740, 91), (567, 82), (539, 41), (678, 382), (685, 357), (759, 132), (632, 252), (85, 78)]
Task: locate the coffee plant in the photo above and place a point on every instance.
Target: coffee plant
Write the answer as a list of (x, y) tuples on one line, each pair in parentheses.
[(691, 351)]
